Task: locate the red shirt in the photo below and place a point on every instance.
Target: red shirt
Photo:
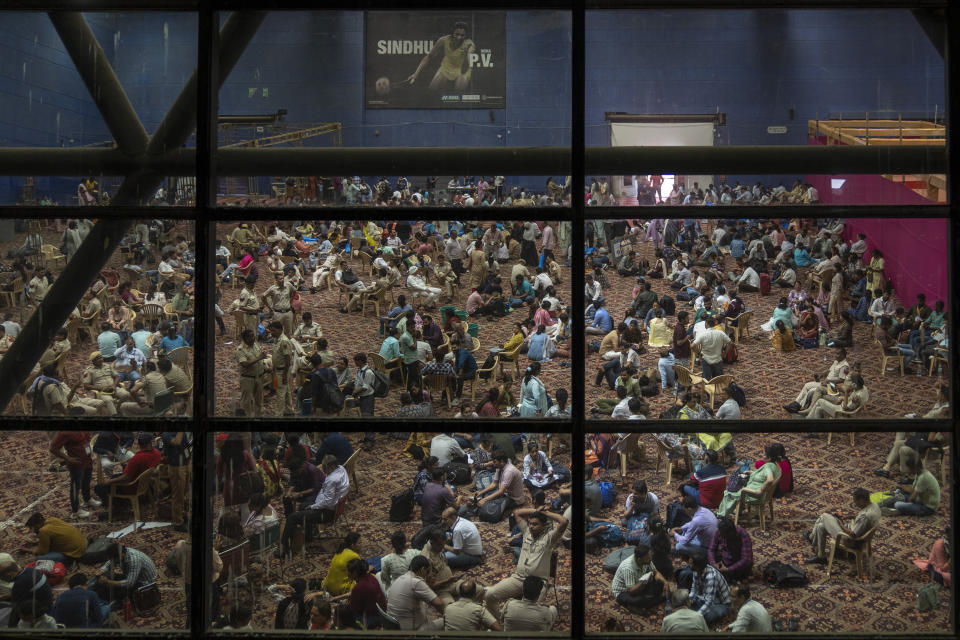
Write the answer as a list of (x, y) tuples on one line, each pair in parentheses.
[(366, 595), (140, 462), (711, 491), (786, 473), (76, 444)]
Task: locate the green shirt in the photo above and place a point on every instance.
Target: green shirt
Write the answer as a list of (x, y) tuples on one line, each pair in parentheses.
[(928, 491), (408, 348)]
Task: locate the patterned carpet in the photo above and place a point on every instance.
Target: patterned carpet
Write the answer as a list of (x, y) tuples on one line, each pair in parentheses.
[(384, 471), (348, 334), (824, 477), (28, 486), (77, 359), (770, 378)]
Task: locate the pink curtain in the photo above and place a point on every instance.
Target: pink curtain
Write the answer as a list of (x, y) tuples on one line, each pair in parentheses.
[(914, 253)]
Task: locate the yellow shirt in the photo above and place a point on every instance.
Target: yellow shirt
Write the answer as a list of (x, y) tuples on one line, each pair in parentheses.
[(337, 582), (452, 62), (57, 535)]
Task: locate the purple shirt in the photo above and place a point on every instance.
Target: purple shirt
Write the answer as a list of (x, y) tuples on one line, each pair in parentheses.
[(436, 498), (699, 530)]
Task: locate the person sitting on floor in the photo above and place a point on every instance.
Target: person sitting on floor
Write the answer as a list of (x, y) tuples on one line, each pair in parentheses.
[(710, 593), (924, 497), (752, 617), (731, 550), (682, 619), (637, 585)]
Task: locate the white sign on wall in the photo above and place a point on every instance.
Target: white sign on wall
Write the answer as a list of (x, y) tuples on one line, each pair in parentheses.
[(776, 129)]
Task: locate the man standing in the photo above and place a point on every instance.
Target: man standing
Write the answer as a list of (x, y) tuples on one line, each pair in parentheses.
[(282, 359), (250, 358), (175, 445), (250, 305), (710, 345), (363, 385), (278, 299), (74, 448), (466, 548), (539, 542)]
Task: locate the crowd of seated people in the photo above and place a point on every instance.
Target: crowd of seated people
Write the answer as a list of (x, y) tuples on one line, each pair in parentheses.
[(694, 554), (62, 575), (425, 582), (422, 272), (123, 343), (686, 305)]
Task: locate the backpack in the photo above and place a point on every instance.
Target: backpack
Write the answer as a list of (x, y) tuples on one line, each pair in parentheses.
[(612, 562), (778, 574), (738, 394), (381, 384), (676, 516), (493, 510), (668, 305), (608, 493), (97, 550), (54, 571), (612, 536), (401, 506), (730, 353), (561, 473), (457, 473), (292, 613), (483, 478), (39, 404), (331, 398)]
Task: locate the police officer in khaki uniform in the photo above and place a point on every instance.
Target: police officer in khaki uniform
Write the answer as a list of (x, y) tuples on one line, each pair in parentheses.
[(528, 614), (251, 358), (308, 330), (100, 376), (282, 361), (467, 614), (250, 305), (279, 298), (144, 391), (58, 399)]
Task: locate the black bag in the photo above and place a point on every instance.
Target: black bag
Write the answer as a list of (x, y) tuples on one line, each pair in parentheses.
[(146, 598), (457, 473), (420, 537), (381, 384), (778, 574), (483, 478), (417, 452), (249, 483), (738, 394), (671, 413), (493, 510), (561, 473), (331, 398), (401, 506), (676, 516), (650, 390), (668, 305), (97, 550)]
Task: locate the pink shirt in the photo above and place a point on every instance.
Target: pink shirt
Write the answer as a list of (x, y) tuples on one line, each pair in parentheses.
[(474, 300), (542, 317)]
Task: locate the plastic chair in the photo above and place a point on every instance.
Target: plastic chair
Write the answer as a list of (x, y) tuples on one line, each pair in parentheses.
[(664, 454), (143, 484), (851, 434), (630, 447), (511, 356), (766, 500), (717, 385), (387, 621), (861, 548), (939, 355), (685, 377), (438, 385), (351, 467), (742, 326), (886, 355), (180, 356), (377, 363)]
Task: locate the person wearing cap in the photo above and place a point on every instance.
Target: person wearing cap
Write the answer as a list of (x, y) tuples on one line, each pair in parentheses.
[(24, 585), (279, 298), (100, 376), (250, 358), (145, 458), (60, 400)]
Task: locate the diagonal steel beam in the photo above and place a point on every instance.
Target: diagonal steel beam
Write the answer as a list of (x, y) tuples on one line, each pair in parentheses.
[(102, 83), (106, 235), (181, 119)]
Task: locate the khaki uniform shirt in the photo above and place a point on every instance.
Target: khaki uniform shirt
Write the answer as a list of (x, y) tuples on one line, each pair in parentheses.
[(313, 331), (526, 615), (153, 383), (99, 377), (467, 615), (178, 379), (249, 360), (282, 353), (55, 394), (249, 299), (278, 297), (535, 552)]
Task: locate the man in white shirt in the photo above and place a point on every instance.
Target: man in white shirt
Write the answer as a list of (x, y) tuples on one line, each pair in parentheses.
[(466, 548), (710, 345), (336, 484), (751, 615), (409, 593), (749, 280), (446, 448), (12, 328), (882, 306)]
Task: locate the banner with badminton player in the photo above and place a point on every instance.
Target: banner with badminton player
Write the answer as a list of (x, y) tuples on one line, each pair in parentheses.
[(435, 59)]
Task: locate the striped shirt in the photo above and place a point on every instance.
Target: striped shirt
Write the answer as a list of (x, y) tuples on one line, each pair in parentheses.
[(711, 587), (720, 551)]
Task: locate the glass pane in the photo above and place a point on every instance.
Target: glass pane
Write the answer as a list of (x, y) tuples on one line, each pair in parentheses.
[(290, 531), (356, 280), (688, 270), (806, 485), (481, 79), (767, 77), (58, 486), (47, 105), (144, 293)]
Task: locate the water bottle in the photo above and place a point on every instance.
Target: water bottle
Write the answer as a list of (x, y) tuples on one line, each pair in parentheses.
[(918, 370), (940, 372)]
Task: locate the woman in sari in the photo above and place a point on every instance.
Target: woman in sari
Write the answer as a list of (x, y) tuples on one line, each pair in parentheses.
[(661, 335), (782, 337), (809, 324), (875, 278), (796, 295), (533, 395), (758, 481)]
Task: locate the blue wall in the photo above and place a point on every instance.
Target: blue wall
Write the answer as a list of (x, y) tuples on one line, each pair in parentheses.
[(752, 65)]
